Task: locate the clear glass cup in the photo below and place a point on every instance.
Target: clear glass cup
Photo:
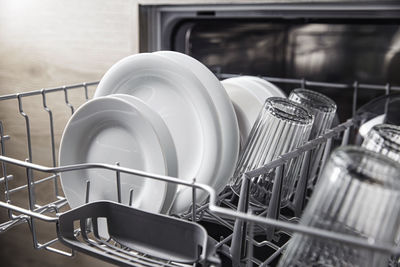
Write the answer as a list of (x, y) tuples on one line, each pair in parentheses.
[(384, 139), (357, 194), (323, 109), (281, 126)]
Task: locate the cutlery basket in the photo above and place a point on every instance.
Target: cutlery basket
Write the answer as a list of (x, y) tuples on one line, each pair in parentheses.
[(236, 235)]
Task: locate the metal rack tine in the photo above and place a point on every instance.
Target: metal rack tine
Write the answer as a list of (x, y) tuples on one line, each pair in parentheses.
[(327, 151), (194, 201), (53, 148), (303, 83), (4, 169), (300, 194), (250, 242), (31, 199), (31, 184), (275, 202), (239, 231), (388, 89), (67, 101), (130, 197), (346, 136), (118, 177), (51, 126), (27, 125), (86, 91), (87, 191)]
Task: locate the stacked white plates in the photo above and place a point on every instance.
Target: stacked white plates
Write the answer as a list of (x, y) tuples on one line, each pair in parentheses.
[(224, 113), (248, 94), (166, 101)]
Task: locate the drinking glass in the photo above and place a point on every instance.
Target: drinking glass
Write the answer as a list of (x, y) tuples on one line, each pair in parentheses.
[(281, 126), (384, 139), (323, 109), (357, 194)]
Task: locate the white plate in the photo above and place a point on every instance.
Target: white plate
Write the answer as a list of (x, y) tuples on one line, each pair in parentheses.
[(110, 130), (166, 142), (270, 87), (229, 146), (247, 106), (187, 109), (248, 95)]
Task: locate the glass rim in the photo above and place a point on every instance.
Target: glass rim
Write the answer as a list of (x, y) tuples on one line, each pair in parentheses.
[(383, 133), (288, 110), (315, 100), (349, 158)]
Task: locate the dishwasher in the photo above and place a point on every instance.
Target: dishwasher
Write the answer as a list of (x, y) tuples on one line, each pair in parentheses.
[(348, 51)]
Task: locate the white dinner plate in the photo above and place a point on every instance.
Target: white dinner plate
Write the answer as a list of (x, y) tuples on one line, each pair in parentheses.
[(248, 95), (110, 130), (229, 134), (166, 142), (270, 87), (185, 106), (246, 105)]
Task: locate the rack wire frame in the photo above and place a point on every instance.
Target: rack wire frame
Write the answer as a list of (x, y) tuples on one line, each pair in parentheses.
[(239, 218)]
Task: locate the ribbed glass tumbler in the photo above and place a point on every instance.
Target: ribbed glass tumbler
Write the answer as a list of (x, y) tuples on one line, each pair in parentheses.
[(357, 194), (323, 109), (384, 139), (281, 126)]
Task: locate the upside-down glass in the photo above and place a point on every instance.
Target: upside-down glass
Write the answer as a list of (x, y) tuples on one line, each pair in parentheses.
[(281, 126), (357, 194), (384, 139), (323, 109)]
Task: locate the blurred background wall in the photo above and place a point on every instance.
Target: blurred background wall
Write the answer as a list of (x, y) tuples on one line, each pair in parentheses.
[(45, 44)]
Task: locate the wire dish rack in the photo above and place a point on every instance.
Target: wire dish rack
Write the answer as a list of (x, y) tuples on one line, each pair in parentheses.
[(245, 231)]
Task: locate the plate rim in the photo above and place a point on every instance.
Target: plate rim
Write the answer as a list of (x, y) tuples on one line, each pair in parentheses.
[(67, 129), (166, 141)]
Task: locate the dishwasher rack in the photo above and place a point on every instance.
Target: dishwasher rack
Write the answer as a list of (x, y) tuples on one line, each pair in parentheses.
[(225, 209)]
